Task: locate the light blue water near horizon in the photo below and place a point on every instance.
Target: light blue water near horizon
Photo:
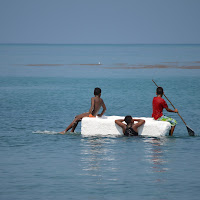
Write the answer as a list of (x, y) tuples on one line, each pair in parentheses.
[(42, 87)]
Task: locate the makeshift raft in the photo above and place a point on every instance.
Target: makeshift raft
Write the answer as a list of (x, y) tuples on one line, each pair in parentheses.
[(104, 126)]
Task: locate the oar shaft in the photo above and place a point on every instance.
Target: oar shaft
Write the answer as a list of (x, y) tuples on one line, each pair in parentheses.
[(171, 104)]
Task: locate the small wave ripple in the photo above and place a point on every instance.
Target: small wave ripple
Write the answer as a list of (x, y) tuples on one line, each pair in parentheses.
[(45, 132)]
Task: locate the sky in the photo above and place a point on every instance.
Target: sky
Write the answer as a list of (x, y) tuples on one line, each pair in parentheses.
[(100, 21)]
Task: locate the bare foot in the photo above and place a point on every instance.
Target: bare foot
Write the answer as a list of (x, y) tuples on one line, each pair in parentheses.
[(63, 132)]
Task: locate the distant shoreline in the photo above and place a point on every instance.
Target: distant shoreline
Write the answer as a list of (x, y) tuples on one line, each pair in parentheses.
[(156, 67), (124, 66)]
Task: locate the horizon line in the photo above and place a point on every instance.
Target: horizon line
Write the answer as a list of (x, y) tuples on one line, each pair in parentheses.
[(99, 43)]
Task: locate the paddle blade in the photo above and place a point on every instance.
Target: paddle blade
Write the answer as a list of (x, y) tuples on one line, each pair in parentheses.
[(190, 131)]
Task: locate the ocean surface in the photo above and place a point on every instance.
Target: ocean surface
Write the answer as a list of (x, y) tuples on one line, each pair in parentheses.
[(42, 88)]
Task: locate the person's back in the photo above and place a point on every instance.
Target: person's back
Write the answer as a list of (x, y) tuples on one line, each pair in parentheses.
[(158, 104), (98, 102), (129, 131)]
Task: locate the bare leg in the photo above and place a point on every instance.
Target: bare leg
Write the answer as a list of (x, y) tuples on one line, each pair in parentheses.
[(172, 130), (75, 122), (70, 126), (75, 125)]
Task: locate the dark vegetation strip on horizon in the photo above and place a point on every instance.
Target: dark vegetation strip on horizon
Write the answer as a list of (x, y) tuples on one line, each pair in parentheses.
[(124, 65)]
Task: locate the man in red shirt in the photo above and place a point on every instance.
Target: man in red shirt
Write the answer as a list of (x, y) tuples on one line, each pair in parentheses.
[(158, 104)]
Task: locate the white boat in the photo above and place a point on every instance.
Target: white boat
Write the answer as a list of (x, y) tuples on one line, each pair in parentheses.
[(104, 126)]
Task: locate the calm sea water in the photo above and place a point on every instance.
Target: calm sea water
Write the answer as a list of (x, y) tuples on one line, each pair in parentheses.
[(42, 88)]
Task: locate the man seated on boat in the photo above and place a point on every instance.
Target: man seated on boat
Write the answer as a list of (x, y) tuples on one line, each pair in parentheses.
[(96, 103)]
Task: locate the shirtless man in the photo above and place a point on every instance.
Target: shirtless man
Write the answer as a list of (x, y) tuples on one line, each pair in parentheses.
[(96, 104)]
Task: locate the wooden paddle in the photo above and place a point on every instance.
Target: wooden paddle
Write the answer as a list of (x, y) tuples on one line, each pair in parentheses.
[(190, 131)]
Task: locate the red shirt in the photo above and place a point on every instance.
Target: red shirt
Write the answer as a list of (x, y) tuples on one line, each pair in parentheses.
[(158, 104)]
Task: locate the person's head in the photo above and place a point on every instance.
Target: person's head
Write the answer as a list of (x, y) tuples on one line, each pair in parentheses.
[(97, 91), (159, 91), (128, 119)]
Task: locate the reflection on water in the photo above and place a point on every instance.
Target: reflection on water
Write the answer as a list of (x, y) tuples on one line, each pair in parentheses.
[(103, 161), (155, 154), (98, 157)]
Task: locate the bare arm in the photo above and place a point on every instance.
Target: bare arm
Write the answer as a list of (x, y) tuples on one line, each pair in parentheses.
[(104, 109), (169, 110), (92, 105), (119, 123), (140, 122)]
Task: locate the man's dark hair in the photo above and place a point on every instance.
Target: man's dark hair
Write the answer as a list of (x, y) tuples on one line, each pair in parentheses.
[(97, 91), (159, 90), (128, 119)]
